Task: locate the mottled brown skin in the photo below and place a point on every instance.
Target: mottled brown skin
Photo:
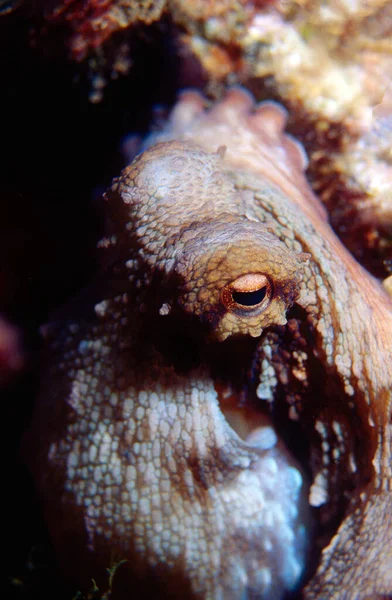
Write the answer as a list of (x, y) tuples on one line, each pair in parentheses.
[(133, 456)]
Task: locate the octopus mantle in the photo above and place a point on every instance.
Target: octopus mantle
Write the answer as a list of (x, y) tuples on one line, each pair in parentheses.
[(216, 407)]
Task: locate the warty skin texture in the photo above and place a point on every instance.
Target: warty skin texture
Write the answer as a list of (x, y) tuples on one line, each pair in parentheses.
[(132, 454)]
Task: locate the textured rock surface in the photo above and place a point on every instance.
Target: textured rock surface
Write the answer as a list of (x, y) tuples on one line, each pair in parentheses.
[(207, 244)]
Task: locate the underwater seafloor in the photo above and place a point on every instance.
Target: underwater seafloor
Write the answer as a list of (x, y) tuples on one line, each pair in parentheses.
[(65, 120)]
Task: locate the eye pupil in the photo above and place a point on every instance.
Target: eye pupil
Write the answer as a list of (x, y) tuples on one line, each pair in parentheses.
[(250, 298), (248, 294)]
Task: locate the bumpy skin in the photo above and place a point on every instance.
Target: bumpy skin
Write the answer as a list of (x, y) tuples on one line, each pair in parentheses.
[(224, 292)]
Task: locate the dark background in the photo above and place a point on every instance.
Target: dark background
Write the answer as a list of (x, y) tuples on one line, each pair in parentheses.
[(59, 152)]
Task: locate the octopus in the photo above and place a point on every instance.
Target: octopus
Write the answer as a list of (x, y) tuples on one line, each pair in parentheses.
[(215, 407)]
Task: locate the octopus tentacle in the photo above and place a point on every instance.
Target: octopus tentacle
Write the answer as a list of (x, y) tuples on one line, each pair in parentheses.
[(192, 104), (237, 101)]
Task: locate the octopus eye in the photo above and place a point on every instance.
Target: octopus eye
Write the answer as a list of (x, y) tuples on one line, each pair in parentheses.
[(247, 292), (250, 298)]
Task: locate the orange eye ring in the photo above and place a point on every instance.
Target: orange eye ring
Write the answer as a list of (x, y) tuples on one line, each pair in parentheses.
[(247, 293)]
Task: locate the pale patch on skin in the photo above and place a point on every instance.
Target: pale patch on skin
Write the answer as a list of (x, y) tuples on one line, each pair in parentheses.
[(209, 245)]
